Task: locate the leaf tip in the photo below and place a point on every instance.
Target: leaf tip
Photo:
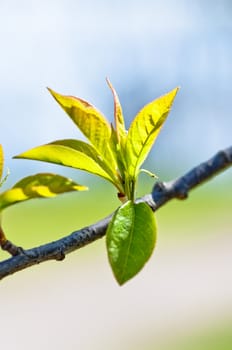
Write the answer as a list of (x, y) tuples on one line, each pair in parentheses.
[(80, 188), (109, 83), (175, 90), (52, 92), (18, 156)]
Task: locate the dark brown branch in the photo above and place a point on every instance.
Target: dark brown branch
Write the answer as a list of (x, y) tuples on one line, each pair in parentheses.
[(161, 193)]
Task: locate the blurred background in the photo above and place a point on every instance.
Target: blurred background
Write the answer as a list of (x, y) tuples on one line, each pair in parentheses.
[(183, 297)]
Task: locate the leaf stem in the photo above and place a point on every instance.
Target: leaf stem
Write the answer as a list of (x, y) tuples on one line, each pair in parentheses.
[(7, 245), (3, 238), (130, 188)]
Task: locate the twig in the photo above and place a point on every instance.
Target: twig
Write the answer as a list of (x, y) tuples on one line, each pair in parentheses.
[(161, 193)]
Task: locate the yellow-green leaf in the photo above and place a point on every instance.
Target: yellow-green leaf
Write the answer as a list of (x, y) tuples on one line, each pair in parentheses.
[(118, 116), (72, 153), (118, 153), (89, 120), (144, 130), (1, 162), (42, 185)]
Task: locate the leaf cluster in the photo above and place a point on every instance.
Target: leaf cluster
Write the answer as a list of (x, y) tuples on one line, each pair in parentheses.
[(113, 153)]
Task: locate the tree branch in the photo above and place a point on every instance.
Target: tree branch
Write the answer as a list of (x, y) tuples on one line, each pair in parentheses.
[(161, 194)]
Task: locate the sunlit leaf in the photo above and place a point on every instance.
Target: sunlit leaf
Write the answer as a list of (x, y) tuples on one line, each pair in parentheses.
[(1, 162), (145, 128), (90, 152), (72, 153), (118, 116), (38, 186), (118, 134), (130, 239), (89, 120)]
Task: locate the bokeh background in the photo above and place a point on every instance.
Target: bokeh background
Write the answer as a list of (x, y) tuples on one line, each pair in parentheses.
[(183, 297)]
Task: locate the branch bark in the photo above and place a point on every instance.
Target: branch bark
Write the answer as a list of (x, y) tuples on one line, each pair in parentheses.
[(161, 194)]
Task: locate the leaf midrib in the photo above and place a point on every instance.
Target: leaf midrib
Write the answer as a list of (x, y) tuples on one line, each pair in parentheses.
[(129, 245)]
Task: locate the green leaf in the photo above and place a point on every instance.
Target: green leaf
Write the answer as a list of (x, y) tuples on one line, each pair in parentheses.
[(1, 162), (42, 185), (144, 130), (89, 120), (130, 239), (72, 153)]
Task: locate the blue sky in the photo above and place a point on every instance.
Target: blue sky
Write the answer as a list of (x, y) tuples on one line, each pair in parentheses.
[(145, 47)]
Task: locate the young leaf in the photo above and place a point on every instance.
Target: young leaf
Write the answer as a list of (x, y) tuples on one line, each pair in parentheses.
[(89, 120), (130, 239), (118, 153), (1, 163), (72, 153), (144, 129), (118, 116), (38, 186), (118, 134)]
